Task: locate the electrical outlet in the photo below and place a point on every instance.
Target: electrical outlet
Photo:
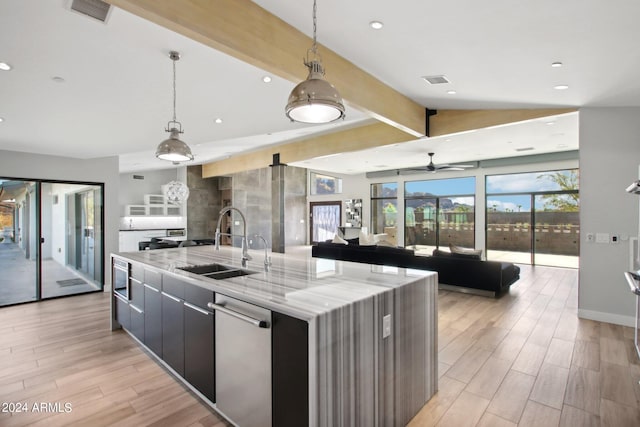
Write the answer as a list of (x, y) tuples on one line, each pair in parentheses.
[(386, 326)]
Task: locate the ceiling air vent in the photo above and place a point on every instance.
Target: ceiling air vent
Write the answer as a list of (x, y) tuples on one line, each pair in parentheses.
[(96, 9), (525, 149), (436, 80)]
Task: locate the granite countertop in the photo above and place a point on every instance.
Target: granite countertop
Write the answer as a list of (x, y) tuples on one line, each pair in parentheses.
[(299, 286)]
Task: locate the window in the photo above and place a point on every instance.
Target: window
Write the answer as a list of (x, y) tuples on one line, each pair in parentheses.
[(384, 208), (325, 184), (440, 212)]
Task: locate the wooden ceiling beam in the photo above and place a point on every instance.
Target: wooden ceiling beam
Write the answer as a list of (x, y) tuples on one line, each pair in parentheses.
[(246, 31), (354, 139), (446, 122)]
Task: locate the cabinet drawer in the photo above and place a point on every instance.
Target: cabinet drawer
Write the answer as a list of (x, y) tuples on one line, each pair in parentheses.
[(198, 296), (137, 322), (123, 314), (136, 293), (173, 286), (153, 278), (137, 272)]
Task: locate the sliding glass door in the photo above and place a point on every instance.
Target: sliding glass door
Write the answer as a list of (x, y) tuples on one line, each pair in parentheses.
[(533, 218), (19, 246), (52, 242)]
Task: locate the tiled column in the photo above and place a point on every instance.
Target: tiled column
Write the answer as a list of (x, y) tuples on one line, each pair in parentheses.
[(277, 207)]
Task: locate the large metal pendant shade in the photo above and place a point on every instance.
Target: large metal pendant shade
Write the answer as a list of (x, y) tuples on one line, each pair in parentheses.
[(173, 149), (315, 100)]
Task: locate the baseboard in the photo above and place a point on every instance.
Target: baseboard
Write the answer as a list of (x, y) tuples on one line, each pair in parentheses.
[(600, 316)]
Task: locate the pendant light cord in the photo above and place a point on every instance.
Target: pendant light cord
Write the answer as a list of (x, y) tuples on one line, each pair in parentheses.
[(314, 48), (174, 90)]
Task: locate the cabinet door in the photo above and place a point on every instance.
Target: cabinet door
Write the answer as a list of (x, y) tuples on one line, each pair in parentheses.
[(137, 322), (153, 319), (290, 370), (173, 332), (136, 297), (199, 350), (123, 315)]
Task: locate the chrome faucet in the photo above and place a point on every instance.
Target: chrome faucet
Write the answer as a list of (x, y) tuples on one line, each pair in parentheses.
[(267, 258), (245, 247)]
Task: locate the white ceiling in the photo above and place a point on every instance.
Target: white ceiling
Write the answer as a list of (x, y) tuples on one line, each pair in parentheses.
[(116, 97)]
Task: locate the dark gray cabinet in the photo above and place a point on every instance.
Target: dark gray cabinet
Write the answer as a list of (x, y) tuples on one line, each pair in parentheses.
[(137, 322), (173, 332), (199, 349), (153, 319), (123, 315)]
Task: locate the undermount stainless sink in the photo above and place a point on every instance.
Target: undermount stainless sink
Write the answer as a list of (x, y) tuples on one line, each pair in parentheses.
[(217, 271)]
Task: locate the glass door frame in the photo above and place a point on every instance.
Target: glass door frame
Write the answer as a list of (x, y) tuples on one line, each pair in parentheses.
[(39, 240)]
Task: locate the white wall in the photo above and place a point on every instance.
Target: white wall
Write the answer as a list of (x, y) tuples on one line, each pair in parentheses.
[(103, 170), (609, 159), (132, 190)]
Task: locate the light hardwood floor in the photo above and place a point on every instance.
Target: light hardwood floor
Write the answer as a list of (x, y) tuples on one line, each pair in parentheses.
[(524, 359), (527, 360), (63, 352)]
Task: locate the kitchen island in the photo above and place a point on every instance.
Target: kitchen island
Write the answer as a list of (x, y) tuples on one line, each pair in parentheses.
[(310, 342)]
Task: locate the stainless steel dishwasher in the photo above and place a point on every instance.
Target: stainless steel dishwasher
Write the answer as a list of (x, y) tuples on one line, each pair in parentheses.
[(243, 361)]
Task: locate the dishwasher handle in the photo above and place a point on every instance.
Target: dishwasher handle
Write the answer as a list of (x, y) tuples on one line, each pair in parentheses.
[(255, 322)]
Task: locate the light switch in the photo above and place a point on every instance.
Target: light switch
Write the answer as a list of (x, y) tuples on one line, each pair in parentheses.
[(602, 237), (386, 326)]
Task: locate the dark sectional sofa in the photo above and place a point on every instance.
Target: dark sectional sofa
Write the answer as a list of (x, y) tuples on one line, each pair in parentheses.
[(458, 271)]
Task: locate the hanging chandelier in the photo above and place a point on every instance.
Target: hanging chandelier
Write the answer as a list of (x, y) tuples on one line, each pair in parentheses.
[(173, 149), (314, 100)]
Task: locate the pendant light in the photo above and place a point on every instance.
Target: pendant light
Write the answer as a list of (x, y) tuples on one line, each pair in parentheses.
[(315, 100), (173, 149)]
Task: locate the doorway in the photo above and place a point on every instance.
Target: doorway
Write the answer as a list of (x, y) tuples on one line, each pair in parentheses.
[(51, 239), (324, 220), (537, 225)]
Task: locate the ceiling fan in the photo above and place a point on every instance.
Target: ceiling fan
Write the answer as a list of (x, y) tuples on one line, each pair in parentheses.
[(431, 167)]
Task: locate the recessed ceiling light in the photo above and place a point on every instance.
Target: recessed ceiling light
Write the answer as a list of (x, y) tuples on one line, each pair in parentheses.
[(4, 66), (551, 123), (1, 119), (561, 87), (562, 145), (218, 120), (376, 25), (266, 79), (447, 140), (556, 64), (57, 79), (451, 92)]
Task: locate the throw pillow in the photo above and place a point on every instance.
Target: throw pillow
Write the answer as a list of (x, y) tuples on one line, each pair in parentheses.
[(366, 239), (338, 239), (468, 253), (464, 251)]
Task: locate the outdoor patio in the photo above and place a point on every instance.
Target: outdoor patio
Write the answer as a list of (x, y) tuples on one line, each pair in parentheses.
[(18, 277)]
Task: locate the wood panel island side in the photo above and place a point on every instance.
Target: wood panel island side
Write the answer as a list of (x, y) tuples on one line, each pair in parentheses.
[(311, 342)]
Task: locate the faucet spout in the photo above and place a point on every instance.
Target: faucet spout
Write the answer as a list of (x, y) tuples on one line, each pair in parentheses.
[(245, 246), (267, 258)]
